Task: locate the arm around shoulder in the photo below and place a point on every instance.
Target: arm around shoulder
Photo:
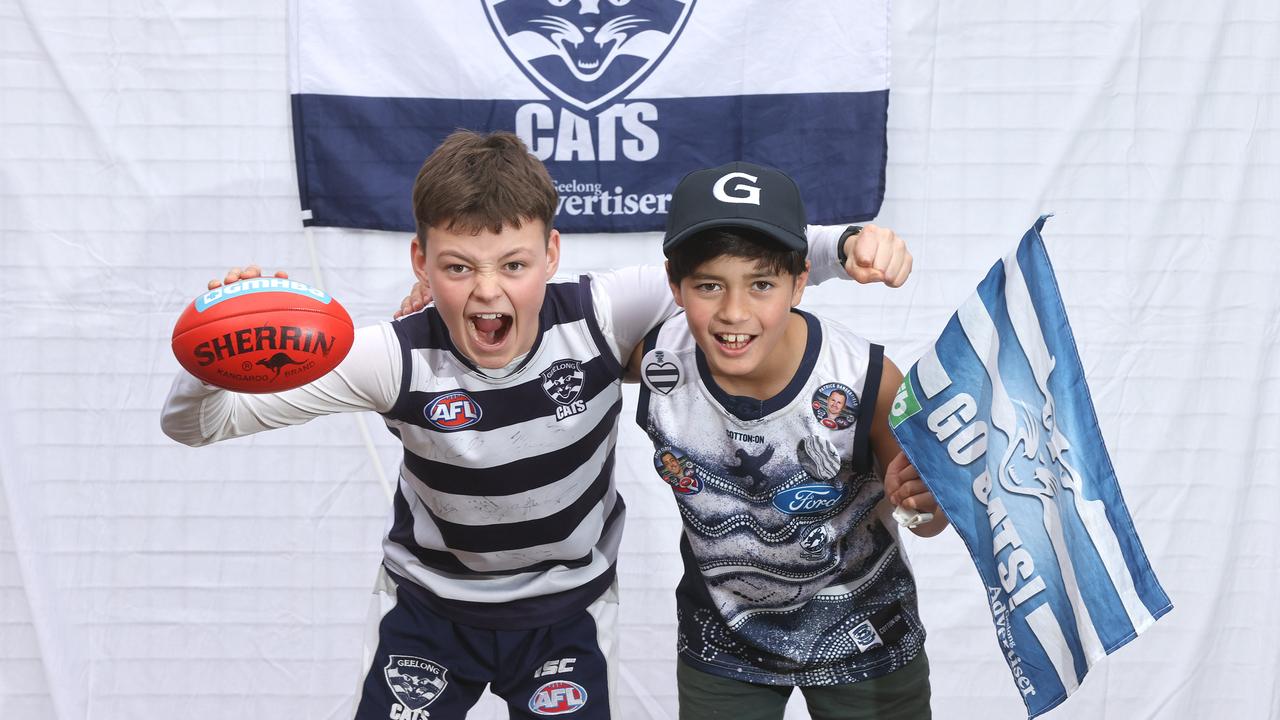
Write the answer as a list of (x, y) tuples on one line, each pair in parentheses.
[(630, 302)]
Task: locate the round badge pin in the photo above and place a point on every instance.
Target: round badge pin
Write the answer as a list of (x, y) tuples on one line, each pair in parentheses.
[(835, 405), (661, 372), (676, 469)]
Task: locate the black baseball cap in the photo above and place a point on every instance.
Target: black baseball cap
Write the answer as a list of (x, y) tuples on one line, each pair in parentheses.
[(739, 194)]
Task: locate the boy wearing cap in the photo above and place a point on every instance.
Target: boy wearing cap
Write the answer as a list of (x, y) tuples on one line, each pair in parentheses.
[(793, 575)]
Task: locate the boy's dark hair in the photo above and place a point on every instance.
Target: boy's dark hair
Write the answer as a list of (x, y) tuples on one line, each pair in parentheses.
[(474, 182), (738, 242)]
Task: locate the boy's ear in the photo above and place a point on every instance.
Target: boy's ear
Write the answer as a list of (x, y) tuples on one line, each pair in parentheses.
[(553, 253), (418, 258), (799, 283), (675, 287)]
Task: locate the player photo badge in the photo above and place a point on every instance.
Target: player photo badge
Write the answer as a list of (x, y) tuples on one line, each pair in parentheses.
[(661, 372), (676, 469), (416, 682), (835, 406)]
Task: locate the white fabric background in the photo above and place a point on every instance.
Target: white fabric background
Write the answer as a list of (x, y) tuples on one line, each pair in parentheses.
[(145, 147)]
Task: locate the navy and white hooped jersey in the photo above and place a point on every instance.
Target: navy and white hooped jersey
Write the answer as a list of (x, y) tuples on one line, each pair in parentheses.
[(505, 514), (506, 507), (793, 572)]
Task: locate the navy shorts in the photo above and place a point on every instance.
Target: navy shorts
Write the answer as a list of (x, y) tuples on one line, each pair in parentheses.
[(427, 666)]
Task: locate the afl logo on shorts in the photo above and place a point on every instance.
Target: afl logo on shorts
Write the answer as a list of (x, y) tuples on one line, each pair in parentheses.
[(453, 411), (558, 697)]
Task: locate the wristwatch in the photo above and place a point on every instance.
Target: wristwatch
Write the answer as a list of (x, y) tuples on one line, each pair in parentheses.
[(849, 232)]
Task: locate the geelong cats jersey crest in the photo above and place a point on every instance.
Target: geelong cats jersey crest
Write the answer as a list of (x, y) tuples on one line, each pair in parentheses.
[(563, 383)]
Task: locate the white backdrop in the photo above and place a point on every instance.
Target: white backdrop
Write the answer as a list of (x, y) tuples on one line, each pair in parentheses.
[(145, 147)]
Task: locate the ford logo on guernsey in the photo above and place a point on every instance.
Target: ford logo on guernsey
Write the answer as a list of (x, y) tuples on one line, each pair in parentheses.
[(806, 499), (453, 411), (558, 697)]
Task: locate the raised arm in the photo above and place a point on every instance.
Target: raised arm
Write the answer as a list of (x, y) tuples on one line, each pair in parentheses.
[(867, 254)]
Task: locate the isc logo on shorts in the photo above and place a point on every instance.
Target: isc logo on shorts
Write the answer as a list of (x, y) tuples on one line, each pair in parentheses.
[(453, 411), (558, 697)]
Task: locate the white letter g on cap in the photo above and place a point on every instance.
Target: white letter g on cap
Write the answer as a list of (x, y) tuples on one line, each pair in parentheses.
[(743, 193)]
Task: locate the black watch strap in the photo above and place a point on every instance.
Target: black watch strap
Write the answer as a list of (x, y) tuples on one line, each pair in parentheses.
[(848, 233)]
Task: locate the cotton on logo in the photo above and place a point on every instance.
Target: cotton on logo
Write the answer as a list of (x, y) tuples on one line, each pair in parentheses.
[(744, 194), (453, 411), (558, 697)]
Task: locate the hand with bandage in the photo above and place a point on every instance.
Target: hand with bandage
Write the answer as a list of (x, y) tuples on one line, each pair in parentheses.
[(913, 504)]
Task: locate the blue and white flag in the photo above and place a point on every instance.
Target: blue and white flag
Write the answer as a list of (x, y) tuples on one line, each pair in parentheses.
[(620, 98), (997, 418)]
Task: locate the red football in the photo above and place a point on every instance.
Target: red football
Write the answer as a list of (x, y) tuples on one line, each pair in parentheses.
[(262, 335)]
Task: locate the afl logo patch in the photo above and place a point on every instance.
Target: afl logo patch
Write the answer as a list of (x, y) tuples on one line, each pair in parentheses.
[(558, 697), (835, 405), (661, 372), (562, 381), (452, 411)]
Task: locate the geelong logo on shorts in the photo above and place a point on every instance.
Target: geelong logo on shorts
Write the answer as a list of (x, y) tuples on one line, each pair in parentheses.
[(453, 411), (416, 682), (558, 697)]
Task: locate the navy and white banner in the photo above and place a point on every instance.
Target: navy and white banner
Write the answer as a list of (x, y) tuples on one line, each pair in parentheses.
[(620, 98), (998, 419)]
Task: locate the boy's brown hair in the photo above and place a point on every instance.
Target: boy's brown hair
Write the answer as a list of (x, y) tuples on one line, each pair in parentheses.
[(474, 182)]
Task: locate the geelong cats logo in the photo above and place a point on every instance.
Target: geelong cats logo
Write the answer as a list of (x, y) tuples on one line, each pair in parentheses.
[(416, 682), (587, 52), (562, 382)]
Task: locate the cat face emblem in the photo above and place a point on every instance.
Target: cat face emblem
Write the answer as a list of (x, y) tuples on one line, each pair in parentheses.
[(587, 52)]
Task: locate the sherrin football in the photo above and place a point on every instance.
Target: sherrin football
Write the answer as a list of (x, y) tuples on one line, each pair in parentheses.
[(262, 335)]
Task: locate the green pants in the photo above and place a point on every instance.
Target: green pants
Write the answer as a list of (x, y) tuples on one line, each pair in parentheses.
[(900, 695)]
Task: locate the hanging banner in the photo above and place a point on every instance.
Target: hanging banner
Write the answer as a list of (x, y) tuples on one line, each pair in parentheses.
[(620, 98), (998, 419)]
